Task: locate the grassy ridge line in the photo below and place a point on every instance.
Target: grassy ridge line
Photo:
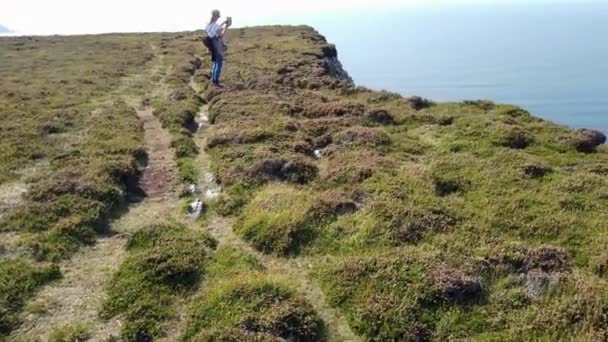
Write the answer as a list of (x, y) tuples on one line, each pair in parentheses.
[(55, 83), (68, 209), (165, 262), (80, 145), (243, 301), (177, 107)]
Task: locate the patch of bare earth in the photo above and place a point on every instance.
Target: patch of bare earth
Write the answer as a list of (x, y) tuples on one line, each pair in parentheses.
[(78, 296), (159, 179), (11, 196)]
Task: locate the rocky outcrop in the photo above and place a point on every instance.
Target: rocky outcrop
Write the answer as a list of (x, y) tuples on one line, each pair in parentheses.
[(332, 64)]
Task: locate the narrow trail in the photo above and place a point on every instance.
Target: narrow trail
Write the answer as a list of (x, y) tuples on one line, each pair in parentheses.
[(11, 197), (78, 296), (159, 179), (296, 269)]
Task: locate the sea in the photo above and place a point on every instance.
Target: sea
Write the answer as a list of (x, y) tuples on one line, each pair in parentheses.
[(550, 58)]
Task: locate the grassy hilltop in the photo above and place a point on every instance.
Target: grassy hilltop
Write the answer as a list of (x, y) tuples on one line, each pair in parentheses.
[(345, 213)]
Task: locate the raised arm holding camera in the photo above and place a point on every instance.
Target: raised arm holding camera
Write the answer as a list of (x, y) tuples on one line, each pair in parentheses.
[(215, 35)]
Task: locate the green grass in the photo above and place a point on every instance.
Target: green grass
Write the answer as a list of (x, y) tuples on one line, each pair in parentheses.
[(253, 307), (279, 220), (66, 207), (69, 139), (242, 301), (466, 179), (230, 261), (70, 333), (19, 280), (165, 262)]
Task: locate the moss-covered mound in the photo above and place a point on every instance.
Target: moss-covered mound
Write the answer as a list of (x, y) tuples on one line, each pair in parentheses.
[(252, 308), (517, 293), (164, 262), (279, 220), (68, 206), (18, 282)]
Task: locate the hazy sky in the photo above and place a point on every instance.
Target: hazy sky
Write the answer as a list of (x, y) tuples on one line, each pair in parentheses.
[(69, 16)]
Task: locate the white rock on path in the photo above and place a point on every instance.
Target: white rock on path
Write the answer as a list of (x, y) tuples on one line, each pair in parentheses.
[(196, 209)]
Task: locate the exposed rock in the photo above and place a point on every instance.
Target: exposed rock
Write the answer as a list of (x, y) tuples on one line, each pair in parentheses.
[(536, 283), (332, 65), (325, 152), (196, 208), (194, 189), (586, 140)]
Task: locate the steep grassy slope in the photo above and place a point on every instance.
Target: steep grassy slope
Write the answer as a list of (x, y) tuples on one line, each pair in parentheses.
[(419, 221)]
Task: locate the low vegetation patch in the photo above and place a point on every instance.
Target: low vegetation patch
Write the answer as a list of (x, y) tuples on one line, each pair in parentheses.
[(279, 220), (19, 280), (179, 105), (398, 297), (164, 262), (252, 308), (70, 333), (66, 208)]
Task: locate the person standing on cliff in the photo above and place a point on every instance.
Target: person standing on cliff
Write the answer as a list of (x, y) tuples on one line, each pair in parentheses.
[(215, 32)]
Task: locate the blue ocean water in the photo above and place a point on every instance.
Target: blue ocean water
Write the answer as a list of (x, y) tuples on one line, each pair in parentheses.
[(551, 59)]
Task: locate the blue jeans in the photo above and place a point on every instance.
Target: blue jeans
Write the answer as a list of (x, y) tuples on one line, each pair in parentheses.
[(216, 68)]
